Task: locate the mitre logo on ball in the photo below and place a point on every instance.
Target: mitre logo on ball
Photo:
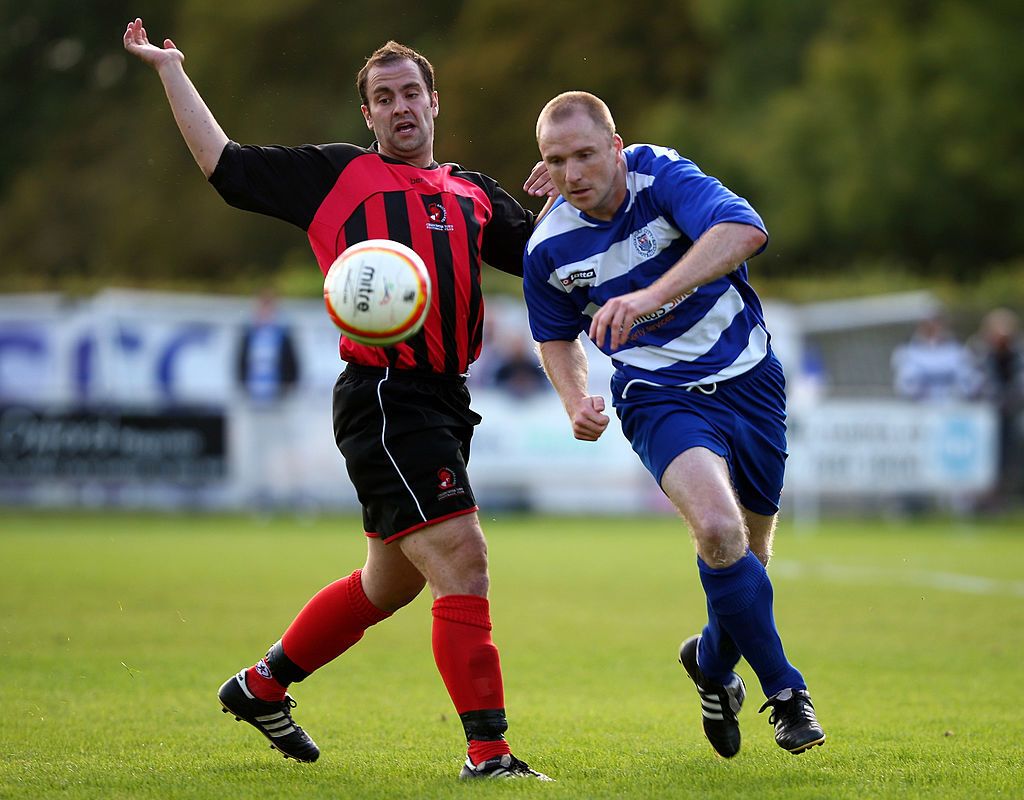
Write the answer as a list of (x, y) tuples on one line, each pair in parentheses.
[(378, 292)]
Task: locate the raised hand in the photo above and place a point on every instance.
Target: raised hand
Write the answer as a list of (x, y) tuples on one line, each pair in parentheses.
[(539, 183), (205, 138), (137, 43)]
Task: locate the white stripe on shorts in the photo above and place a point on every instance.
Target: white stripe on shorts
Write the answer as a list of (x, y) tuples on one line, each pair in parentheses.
[(383, 429)]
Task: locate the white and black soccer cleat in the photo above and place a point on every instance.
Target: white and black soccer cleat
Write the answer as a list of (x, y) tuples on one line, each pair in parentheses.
[(506, 766), (719, 704), (273, 720), (796, 726)]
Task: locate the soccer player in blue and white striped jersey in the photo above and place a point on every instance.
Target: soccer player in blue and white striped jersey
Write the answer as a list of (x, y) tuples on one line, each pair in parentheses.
[(648, 255)]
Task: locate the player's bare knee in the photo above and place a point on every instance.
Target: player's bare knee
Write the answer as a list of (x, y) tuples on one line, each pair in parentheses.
[(461, 578), (454, 563), (721, 539), (470, 562), (476, 584)]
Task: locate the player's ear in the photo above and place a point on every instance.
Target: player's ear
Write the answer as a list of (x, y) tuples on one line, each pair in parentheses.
[(434, 106), (617, 143), (366, 116)]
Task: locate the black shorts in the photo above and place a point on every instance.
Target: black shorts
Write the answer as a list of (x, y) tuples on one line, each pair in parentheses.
[(405, 437)]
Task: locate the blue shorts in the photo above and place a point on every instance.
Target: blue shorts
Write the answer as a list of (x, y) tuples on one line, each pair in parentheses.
[(743, 421)]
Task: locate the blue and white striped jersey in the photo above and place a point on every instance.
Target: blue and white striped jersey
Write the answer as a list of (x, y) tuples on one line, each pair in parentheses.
[(575, 263)]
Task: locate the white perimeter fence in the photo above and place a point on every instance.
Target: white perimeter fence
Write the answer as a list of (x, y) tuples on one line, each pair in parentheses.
[(130, 399)]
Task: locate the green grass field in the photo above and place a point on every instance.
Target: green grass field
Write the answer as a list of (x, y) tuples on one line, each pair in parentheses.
[(116, 631)]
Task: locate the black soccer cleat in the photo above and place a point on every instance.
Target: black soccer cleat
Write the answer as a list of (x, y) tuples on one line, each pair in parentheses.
[(273, 720), (796, 727), (506, 766), (719, 704)]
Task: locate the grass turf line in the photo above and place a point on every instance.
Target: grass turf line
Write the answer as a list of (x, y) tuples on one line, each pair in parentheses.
[(117, 629)]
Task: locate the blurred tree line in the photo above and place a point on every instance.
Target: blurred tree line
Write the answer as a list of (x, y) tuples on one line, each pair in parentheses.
[(874, 136)]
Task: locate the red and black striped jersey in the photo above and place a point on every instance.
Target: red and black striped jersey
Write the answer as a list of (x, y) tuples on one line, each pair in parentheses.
[(341, 194)]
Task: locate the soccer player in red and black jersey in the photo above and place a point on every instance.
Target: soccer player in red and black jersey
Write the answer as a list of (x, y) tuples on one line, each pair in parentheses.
[(402, 417)]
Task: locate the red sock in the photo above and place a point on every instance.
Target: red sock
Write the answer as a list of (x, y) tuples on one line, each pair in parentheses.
[(481, 751), (262, 684), (330, 623), (468, 662)]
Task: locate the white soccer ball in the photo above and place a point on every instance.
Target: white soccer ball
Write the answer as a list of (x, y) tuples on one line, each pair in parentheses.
[(378, 292)]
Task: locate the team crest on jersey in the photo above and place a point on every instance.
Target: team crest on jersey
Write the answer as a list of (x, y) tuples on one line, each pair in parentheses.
[(446, 483), (437, 218), (644, 242)]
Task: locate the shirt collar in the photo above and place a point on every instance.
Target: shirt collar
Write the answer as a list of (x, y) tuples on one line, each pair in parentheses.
[(375, 147)]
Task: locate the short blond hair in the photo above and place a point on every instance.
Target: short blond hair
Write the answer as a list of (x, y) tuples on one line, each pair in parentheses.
[(563, 106)]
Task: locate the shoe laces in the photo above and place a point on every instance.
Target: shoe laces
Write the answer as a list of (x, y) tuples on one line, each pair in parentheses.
[(508, 762), (286, 703), (515, 765), (797, 704), (286, 708), (519, 767)]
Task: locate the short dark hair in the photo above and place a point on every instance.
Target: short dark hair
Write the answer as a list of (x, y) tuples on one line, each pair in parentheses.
[(389, 53)]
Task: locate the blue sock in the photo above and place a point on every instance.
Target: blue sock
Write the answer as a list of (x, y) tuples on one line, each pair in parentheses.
[(717, 654), (741, 598)]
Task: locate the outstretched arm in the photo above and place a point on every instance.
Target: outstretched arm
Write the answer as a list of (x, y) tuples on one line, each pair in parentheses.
[(202, 133), (566, 366)]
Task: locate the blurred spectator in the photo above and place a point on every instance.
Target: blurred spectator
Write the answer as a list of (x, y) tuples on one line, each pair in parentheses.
[(933, 366), (999, 354), (267, 367), (508, 360), (267, 370), (807, 382), (517, 369)]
